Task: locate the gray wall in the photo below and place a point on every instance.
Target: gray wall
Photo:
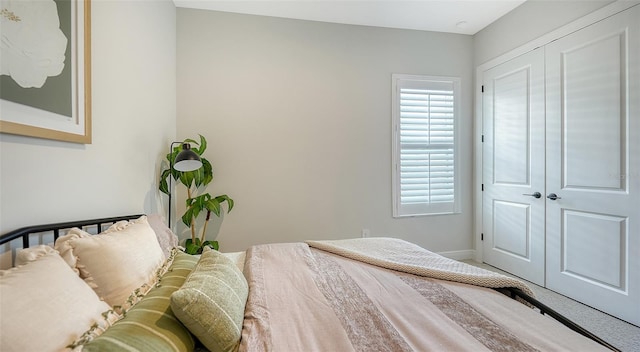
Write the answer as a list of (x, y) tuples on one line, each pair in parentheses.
[(298, 119), (297, 115), (134, 66), (527, 22)]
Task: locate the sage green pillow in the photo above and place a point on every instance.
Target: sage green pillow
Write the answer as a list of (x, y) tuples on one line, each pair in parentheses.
[(150, 325), (211, 302)]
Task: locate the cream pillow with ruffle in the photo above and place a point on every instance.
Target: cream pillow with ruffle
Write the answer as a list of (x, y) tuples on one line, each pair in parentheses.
[(120, 264), (45, 306)]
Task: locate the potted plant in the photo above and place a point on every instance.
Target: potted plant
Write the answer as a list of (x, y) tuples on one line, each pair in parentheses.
[(197, 202)]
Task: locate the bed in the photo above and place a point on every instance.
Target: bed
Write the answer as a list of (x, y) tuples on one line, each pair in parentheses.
[(374, 294)]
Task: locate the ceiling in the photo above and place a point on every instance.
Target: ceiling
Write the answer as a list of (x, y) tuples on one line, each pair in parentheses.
[(453, 16)]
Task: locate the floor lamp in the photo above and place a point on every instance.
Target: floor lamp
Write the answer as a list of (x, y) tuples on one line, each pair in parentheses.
[(186, 160)]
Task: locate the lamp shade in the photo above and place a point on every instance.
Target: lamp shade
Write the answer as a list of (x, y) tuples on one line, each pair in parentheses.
[(187, 159)]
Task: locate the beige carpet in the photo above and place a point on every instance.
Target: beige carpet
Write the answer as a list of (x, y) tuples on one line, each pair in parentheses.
[(620, 334)]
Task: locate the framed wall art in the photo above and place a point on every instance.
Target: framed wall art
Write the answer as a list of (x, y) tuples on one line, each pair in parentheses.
[(45, 62)]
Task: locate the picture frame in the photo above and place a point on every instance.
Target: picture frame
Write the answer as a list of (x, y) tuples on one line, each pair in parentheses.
[(60, 109)]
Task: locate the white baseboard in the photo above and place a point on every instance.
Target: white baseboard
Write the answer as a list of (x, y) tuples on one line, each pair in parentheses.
[(459, 255)]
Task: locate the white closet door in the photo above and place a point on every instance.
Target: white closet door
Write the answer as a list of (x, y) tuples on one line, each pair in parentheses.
[(593, 165), (513, 170)]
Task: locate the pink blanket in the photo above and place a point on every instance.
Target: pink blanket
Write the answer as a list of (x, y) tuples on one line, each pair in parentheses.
[(305, 299)]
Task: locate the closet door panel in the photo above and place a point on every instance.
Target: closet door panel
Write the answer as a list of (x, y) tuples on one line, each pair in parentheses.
[(593, 120), (592, 143), (513, 166), (593, 245), (511, 119)]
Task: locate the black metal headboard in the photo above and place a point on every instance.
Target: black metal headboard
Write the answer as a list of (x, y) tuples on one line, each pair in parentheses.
[(25, 232)]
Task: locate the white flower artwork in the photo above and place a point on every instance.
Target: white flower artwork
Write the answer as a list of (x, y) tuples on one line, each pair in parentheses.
[(33, 46)]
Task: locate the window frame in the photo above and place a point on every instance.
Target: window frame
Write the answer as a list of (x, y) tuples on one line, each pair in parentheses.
[(399, 81)]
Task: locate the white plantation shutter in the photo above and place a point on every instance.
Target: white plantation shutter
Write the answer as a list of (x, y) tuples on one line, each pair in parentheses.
[(425, 111)]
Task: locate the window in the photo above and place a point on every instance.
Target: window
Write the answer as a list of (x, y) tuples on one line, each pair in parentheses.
[(425, 172)]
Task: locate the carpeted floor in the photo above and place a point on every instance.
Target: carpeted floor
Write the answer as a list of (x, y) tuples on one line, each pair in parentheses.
[(620, 334)]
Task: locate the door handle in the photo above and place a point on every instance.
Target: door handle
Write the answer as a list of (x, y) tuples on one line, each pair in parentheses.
[(534, 194), (553, 196)]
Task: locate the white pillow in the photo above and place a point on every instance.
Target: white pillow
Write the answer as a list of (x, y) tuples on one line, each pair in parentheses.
[(166, 238), (117, 262), (45, 306), (28, 255)]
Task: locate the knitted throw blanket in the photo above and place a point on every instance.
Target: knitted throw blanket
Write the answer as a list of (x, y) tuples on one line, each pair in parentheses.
[(400, 255)]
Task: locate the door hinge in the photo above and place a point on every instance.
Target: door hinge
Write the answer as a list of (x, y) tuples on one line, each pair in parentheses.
[(482, 237), (482, 187), (482, 89), (482, 138)]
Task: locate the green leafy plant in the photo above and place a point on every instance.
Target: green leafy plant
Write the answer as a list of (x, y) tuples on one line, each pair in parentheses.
[(197, 203)]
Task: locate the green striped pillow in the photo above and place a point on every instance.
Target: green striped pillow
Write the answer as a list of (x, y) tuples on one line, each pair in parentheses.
[(150, 325), (211, 302)]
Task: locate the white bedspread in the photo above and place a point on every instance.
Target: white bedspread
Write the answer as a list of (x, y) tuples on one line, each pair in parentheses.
[(400, 255)]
